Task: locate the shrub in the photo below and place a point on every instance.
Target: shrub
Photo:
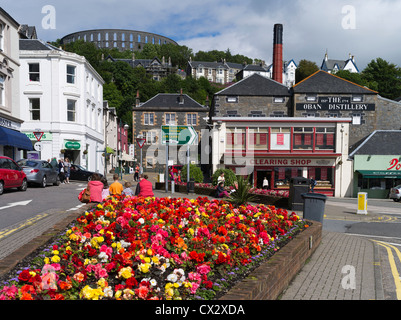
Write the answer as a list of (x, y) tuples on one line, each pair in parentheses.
[(229, 176), (194, 173), (242, 194)]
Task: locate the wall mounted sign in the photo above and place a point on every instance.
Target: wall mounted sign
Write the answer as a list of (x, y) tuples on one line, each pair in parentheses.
[(336, 104), (74, 145)]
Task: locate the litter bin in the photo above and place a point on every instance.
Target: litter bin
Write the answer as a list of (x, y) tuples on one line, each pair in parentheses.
[(298, 186), (191, 186), (314, 204)]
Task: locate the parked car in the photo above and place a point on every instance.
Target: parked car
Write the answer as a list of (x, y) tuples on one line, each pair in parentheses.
[(80, 173), (11, 175), (39, 172), (395, 193)]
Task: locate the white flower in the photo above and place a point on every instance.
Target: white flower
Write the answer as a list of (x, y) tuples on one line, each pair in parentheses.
[(172, 277), (103, 256), (108, 292), (141, 221), (153, 282)]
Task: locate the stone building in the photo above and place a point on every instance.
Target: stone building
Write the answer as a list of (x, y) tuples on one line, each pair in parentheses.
[(117, 38), (253, 96), (164, 109)]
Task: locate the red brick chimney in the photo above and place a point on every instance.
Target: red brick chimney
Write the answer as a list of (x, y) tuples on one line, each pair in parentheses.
[(278, 53)]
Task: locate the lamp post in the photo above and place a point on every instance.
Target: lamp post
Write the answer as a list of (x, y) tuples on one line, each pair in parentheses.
[(141, 141), (125, 127)]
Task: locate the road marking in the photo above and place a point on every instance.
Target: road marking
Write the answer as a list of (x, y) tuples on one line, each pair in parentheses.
[(77, 207), (6, 232), (393, 266), (15, 204)]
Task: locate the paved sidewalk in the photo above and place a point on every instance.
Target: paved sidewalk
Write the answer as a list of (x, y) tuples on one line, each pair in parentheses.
[(342, 268)]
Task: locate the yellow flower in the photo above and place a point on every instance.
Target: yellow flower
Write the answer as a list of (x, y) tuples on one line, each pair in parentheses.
[(46, 260), (150, 252), (191, 231), (55, 252), (147, 259), (155, 260), (144, 267), (118, 294), (102, 283), (32, 273), (55, 259), (125, 272)]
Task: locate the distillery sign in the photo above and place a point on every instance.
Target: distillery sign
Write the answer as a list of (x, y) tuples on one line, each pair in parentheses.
[(336, 104)]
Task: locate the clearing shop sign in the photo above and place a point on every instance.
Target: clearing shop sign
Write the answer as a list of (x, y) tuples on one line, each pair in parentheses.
[(336, 104)]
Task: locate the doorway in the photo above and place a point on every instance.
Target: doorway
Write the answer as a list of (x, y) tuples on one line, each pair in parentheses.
[(261, 175), (73, 155)]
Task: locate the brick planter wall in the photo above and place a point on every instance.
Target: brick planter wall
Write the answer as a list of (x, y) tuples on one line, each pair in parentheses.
[(270, 279)]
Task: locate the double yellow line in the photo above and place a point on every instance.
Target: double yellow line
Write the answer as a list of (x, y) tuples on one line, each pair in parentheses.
[(6, 232), (393, 265)]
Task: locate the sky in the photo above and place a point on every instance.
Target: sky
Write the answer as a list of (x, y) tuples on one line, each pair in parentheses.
[(366, 29)]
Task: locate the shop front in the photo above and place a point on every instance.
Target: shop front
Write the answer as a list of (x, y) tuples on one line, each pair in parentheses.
[(279, 172), (376, 174), (72, 151)]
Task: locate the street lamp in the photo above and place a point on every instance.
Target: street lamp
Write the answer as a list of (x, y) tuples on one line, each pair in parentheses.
[(141, 141)]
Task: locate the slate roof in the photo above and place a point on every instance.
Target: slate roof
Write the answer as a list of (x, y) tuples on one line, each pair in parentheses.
[(206, 64), (380, 142), (255, 85), (171, 102), (34, 44), (324, 82)]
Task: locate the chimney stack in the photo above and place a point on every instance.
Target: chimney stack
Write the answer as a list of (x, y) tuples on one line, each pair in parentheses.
[(278, 53)]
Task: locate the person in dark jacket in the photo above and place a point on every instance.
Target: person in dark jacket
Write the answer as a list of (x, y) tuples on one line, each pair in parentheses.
[(220, 191)]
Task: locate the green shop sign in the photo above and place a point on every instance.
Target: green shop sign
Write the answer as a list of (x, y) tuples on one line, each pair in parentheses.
[(75, 145)]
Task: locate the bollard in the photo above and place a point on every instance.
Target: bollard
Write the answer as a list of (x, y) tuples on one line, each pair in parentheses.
[(362, 203)]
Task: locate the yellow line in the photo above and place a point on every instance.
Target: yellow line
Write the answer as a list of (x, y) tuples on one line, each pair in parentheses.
[(6, 232), (393, 266)]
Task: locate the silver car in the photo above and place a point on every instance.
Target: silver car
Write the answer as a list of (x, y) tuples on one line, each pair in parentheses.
[(40, 172), (395, 193)]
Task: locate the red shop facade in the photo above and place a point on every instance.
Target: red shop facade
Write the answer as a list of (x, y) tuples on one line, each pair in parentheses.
[(278, 149)]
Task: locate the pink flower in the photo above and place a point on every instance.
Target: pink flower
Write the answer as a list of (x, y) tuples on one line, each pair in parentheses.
[(203, 269), (8, 292), (194, 287)]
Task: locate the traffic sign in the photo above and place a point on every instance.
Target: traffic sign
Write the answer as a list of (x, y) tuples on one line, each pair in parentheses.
[(38, 146), (178, 135), (38, 135), (140, 141)]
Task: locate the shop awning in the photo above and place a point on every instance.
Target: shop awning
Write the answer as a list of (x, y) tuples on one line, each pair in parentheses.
[(14, 138), (380, 174)]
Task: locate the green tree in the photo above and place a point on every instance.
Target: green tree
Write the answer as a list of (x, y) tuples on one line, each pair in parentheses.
[(356, 78), (305, 69), (386, 75), (194, 173)]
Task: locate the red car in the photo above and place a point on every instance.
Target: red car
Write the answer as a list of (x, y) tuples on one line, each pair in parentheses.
[(11, 175)]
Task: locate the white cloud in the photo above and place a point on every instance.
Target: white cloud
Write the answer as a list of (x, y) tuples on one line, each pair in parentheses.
[(243, 26)]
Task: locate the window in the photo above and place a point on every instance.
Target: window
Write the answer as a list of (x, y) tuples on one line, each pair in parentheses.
[(280, 138), (71, 113), (169, 118), (258, 139), (278, 99), (1, 37), (151, 137), (325, 138), (2, 90), (70, 74), (34, 72), (232, 99), (34, 108), (235, 138), (149, 118), (356, 119), (303, 138), (191, 119), (357, 98)]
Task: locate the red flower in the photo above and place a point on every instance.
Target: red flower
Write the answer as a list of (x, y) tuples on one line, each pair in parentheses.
[(24, 276)]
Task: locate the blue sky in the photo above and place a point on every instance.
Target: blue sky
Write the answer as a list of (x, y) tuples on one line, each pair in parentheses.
[(365, 28)]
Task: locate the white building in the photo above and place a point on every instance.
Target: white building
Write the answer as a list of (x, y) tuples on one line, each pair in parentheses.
[(61, 104), (332, 65), (11, 139)]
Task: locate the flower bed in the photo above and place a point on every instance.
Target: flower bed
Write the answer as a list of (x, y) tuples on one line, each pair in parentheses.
[(155, 248)]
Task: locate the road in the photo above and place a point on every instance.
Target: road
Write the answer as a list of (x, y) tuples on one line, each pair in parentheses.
[(25, 215)]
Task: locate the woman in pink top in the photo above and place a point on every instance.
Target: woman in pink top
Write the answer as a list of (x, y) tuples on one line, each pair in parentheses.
[(95, 186)]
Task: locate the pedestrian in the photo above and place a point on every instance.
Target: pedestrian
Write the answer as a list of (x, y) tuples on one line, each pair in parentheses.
[(136, 174), (313, 184), (105, 191), (127, 190), (220, 191), (145, 187), (265, 183), (61, 171), (67, 169), (116, 188), (95, 187), (221, 178)]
